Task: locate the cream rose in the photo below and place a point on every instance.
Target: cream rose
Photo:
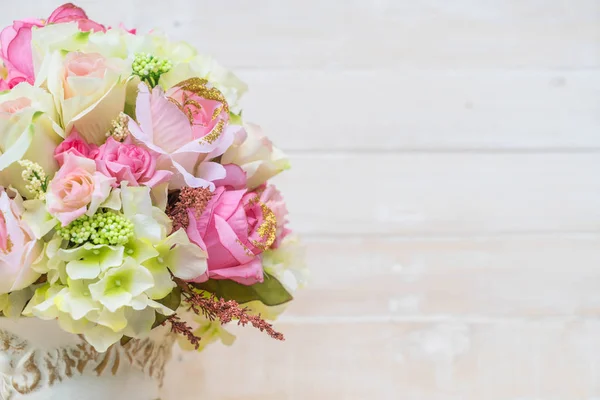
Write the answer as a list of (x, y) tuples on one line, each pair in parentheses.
[(257, 156), (27, 131), (89, 89)]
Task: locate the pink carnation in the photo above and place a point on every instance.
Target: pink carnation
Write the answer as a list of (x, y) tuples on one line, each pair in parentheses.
[(75, 145), (188, 126), (129, 162), (236, 227)]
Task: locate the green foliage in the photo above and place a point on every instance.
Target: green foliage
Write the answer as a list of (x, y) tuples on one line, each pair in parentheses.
[(172, 301), (270, 292)]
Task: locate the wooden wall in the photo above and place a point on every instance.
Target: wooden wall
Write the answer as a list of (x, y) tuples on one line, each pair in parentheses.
[(446, 180)]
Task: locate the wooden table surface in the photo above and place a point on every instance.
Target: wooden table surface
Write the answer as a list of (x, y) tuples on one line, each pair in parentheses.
[(446, 180)]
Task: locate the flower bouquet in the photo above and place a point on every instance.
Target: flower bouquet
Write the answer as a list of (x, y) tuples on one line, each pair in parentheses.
[(134, 205)]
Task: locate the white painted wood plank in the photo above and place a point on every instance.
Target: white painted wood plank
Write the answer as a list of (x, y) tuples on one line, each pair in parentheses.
[(548, 359), (358, 34), (496, 277), (407, 110), (462, 193)]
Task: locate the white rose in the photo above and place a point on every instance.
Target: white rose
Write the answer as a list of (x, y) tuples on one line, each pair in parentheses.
[(89, 91), (159, 45), (27, 131), (257, 156), (47, 40), (287, 264)]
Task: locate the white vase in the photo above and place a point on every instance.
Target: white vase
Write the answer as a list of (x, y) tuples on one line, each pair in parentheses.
[(39, 361)]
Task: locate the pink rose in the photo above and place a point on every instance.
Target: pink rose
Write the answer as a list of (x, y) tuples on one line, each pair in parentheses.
[(18, 248), (77, 189), (236, 227), (188, 126), (15, 41), (272, 198), (75, 145), (71, 13), (128, 162), (204, 111)]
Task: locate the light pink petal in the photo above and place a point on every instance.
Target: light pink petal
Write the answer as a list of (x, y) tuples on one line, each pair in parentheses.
[(207, 215), (238, 221), (226, 140), (235, 178), (66, 218), (159, 177), (142, 136), (6, 36), (214, 149), (120, 171), (87, 25), (102, 187), (211, 171), (191, 180), (247, 274), (19, 52), (194, 234), (230, 202), (27, 276), (218, 254), (229, 240), (67, 12), (164, 124)]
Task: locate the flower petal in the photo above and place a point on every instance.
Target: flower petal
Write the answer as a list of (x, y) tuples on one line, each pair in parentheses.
[(101, 337), (186, 260), (163, 123), (83, 269)]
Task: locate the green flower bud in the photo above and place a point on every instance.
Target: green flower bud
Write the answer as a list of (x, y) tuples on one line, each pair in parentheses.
[(104, 227)]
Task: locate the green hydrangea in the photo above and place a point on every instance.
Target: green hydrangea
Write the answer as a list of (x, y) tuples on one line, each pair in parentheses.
[(110, 279), (104, 227)]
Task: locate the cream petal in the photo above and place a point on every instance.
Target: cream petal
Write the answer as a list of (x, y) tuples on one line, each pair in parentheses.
[(101, 337), (185, 260), (139, 323), (83, 269), (94, 121)]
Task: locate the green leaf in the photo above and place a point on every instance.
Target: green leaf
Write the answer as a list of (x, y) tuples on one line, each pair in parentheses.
[(270, 292), (172, 301), (235, 119), (82, 37)]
